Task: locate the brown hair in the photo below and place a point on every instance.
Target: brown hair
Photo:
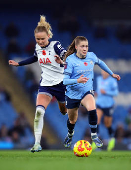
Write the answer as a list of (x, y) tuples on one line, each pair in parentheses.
[(71, 48), (43, 26)]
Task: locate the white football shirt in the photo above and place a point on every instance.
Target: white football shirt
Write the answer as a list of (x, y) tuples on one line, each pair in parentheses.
[(52, 73)]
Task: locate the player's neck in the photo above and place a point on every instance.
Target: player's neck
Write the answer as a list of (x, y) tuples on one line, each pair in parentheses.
[(80, 56)]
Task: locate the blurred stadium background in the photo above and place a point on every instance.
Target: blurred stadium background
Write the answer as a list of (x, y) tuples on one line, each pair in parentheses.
[(107, 26)]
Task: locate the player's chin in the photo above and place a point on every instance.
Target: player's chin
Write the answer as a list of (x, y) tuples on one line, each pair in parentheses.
[(84, 53), (41, 45)]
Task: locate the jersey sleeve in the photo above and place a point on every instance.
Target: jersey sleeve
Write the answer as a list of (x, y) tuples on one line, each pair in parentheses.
[(102, 64), (68, 68), (59, 49), (68, 81), (29, 60), (96, 59)]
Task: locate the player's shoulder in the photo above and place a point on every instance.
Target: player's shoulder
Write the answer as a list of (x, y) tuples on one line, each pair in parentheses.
[(37, 47), (91, 55), (71, 57), (55, 43)]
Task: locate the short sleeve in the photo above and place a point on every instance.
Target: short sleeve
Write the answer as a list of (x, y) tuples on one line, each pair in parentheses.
[(95, 58), (59, 49)]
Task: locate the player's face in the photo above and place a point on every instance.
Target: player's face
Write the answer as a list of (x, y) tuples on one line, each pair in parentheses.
[(42, 39), (82, 49)]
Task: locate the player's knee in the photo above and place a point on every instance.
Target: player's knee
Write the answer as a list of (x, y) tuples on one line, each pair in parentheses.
[(73, 121), (63, 112), (40, 111)]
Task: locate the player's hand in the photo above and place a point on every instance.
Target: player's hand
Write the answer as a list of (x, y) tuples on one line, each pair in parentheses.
[(13, 63), (103, 91), (58, 59), (82, 79), (116, 76)]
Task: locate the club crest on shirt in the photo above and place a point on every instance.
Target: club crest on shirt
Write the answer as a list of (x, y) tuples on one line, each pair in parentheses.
[(91, 62), (65, 65)]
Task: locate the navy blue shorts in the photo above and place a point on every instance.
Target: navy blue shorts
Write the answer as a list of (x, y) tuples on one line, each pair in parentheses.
[(75, 103), (57, 90), (107, 111)]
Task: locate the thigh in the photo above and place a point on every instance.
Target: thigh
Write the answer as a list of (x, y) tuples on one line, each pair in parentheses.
[(43, 99), (59, 92), (72, 103), (89, 102), (72, 115)]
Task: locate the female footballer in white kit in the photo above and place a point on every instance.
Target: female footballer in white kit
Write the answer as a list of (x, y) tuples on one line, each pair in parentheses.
[(51, 83)]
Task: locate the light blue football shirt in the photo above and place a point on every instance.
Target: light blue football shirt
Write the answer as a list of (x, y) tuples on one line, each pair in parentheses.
[(75, 68), (111, 88)]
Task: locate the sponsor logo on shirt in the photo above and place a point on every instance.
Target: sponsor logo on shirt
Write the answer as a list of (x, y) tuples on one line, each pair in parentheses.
[(44, 61)]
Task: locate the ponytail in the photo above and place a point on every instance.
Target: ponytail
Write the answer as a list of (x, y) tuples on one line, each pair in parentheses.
[(43, 26)]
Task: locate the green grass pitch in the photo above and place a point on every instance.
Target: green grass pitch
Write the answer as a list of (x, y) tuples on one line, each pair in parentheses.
[(64, 160)]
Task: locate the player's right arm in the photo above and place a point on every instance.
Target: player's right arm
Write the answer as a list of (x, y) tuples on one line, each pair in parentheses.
[(68, 81), (13, 63), (27, 61), (67, 75)]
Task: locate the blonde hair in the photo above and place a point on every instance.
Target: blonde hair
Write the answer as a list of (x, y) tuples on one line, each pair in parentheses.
[(71, 49), (43, 26)]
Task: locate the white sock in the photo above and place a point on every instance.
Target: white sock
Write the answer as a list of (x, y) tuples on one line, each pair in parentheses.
[(38, 123), (92, 134)]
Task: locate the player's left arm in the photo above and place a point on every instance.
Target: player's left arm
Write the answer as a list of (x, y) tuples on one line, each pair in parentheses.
[(103, 66), (59, 49)]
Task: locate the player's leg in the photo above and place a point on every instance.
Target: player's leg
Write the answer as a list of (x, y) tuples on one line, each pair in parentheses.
[(59, 93), (89, 103), (42, 102), (62, 108), (108, 124), (72, 106), (72, 118), (99, 116)]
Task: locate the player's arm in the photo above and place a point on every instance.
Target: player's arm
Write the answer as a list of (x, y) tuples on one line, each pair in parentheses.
[(68, 81), (103, 66), (27, 61), (67, 75), (60, 51)]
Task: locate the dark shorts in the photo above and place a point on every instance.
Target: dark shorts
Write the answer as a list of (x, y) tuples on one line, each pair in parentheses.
[(57, 90), (107, 111), (75, 103)]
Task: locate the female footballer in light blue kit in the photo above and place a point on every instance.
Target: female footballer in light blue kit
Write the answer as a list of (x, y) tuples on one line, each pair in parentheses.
[(107, 88), (78, 78)]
